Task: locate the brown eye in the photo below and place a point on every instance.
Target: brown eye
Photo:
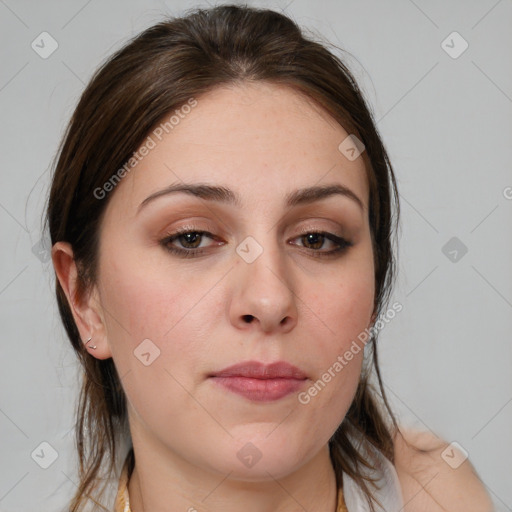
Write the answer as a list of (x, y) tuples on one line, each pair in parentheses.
[(188, 243), (190, 240), (313, 240)]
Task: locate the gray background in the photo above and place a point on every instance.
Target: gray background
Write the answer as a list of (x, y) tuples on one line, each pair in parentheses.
[(447, 124)]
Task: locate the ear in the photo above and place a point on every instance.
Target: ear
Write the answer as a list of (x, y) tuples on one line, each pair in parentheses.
[(87, 311)]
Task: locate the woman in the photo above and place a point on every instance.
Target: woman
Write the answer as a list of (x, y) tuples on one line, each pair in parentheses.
[(222, 215)]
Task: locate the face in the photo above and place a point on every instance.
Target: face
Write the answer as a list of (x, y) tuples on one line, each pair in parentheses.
[(192, 283)]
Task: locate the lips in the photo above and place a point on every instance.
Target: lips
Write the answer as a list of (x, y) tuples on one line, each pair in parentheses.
[(260, 382), (256, 370)]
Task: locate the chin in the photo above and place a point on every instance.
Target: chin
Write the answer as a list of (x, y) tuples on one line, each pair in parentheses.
[(262, 457), (265, 470)]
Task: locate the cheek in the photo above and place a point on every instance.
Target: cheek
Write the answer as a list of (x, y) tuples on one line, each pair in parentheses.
[(337, 326), (343, 310), (156, 336), (344, 315), (344, 304), (148, 299)]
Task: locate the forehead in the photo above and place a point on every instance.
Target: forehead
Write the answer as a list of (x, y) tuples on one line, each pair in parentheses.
[(262, 140)]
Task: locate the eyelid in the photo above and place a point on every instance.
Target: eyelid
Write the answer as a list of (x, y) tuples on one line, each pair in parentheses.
[(315, 229), (176, 233), (186, 228), (341, 242), (200, 227)]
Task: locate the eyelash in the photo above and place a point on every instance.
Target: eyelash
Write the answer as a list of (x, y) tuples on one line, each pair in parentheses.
[(343, 244)]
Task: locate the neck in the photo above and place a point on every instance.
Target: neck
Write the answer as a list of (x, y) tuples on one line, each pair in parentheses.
[(163, 481)]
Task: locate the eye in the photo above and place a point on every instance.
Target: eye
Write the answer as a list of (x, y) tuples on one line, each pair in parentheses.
[(314, 241), (190, 241)]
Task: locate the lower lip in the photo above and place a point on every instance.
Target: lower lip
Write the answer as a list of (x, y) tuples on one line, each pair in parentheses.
[(260, 390)]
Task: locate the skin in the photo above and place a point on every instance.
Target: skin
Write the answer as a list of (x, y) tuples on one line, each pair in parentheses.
[(263, 142), (430, 484)]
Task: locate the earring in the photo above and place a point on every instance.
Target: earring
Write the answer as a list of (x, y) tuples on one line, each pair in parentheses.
[(93, 347)]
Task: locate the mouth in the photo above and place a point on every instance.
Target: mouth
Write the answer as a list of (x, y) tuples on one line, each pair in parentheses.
[(260, 382)]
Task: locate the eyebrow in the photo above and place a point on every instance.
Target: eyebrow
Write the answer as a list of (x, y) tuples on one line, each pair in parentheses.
[(226, 195)]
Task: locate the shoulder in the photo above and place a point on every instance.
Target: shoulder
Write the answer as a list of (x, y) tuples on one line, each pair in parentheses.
[(430, 483)]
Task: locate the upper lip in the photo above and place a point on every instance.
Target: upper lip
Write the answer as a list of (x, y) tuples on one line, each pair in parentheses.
[(257, 370)]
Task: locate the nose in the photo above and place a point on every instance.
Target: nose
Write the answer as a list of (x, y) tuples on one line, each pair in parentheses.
[(262, 296)]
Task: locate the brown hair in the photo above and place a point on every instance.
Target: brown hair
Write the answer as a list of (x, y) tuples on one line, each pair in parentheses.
[(152, 75)]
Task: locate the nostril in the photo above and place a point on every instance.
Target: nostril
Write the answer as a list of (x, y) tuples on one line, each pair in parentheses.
[(248, 318)]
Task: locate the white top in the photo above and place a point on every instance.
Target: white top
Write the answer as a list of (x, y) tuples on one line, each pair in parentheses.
[(389, 493)]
